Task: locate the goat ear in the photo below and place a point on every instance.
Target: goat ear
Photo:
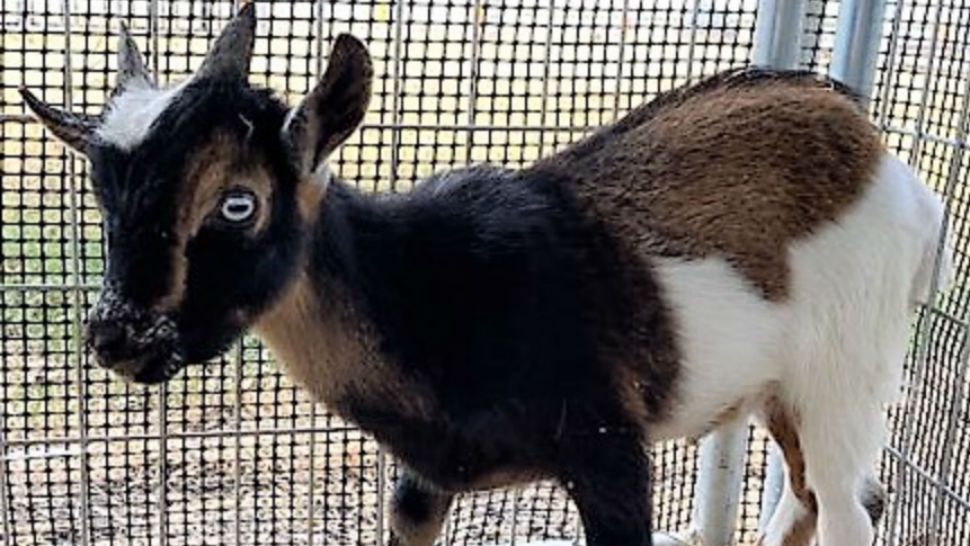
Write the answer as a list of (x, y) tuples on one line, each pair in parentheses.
[(327, 116)]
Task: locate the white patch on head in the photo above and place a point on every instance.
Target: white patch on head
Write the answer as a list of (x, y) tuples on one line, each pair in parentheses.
[(131, 114)]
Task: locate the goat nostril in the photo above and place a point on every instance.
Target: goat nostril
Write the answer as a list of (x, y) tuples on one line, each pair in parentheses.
[(106, 337)]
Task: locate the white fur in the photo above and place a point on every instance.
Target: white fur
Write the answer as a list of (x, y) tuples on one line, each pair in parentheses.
[(833, 349), (131, 114), (789, 512)]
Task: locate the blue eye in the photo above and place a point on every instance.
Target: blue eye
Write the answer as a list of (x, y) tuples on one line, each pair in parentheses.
[(238, 207)]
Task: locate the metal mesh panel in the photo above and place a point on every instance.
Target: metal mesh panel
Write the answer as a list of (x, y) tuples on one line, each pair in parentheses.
[(923, 87), (231, 452), (818, 39)]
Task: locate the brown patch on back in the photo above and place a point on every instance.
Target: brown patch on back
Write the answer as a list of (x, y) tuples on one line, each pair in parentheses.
[(738, 166), (323, 345)]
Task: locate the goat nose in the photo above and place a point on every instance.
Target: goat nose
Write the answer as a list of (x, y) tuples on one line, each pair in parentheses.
[(106, 337)]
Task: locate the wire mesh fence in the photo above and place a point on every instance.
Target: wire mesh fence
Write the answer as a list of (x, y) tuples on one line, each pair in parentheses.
[(231, 452)]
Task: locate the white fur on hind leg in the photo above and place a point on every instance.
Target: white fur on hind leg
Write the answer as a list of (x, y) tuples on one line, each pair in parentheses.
[(789, 514)]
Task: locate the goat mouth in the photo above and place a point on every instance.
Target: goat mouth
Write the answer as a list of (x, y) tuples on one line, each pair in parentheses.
[(152, 366), (159, 368)]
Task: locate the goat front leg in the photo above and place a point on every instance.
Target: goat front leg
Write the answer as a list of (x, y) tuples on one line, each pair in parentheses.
[(608, 476), (418, 511)]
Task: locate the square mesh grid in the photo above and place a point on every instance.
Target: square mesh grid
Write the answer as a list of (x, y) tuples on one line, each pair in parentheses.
[(231, 452), (923, 106)]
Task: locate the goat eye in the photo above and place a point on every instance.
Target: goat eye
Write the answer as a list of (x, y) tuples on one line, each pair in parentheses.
[(238, 207)]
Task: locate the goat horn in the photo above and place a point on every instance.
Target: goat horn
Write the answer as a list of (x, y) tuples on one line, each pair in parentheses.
[(131, 66), (230, 55), (76, 130)]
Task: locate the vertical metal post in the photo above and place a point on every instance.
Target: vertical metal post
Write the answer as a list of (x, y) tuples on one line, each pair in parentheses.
[(478, 24), (778, 33), (318, 9), (153, 38), (162, 414), (551, 6), (381, 491), (619, 69), (237, 365), (888, 80), (76, 291), (774, 484), (777, 44), (692, 42), (719, 479), (857, 44), (397, 87), (237, 444), (4, 508)]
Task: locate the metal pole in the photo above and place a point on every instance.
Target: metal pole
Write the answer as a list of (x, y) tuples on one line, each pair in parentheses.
[(397, 86), (778, 32), (162, 413), (319, 14), (237, 366), (478, 26), (76, 279), (778, 39), (617, 95), (857, 44), (719, 479), (774, 484), (4, 508), (692, 45)]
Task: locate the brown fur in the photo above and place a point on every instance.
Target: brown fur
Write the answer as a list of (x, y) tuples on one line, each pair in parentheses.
[(328, 349), (784, 429), (729, 414), (310, 194), (213, 170), (734, 167)]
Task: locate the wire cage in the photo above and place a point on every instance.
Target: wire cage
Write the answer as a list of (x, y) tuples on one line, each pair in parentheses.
[(231, 452)]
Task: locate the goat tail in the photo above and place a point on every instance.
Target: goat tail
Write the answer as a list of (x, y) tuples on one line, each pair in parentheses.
[(937, 249)]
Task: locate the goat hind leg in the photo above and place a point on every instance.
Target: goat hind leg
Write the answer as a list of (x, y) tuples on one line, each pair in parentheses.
[(794, 520), (841, 446)]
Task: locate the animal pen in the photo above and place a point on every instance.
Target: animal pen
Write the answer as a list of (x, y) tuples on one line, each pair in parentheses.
[(231, 453)]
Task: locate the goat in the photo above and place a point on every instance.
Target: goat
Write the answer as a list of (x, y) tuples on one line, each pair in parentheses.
[(743, 245)]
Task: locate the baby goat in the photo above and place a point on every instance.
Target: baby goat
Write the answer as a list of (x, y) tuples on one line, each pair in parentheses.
[(741, 245)]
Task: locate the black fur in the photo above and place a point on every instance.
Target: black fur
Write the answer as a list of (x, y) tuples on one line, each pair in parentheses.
[(493, 289), (230, 273), (490, 288), (515, 311)]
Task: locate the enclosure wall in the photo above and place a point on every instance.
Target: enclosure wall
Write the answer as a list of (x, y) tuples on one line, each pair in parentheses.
[(231, 452)]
